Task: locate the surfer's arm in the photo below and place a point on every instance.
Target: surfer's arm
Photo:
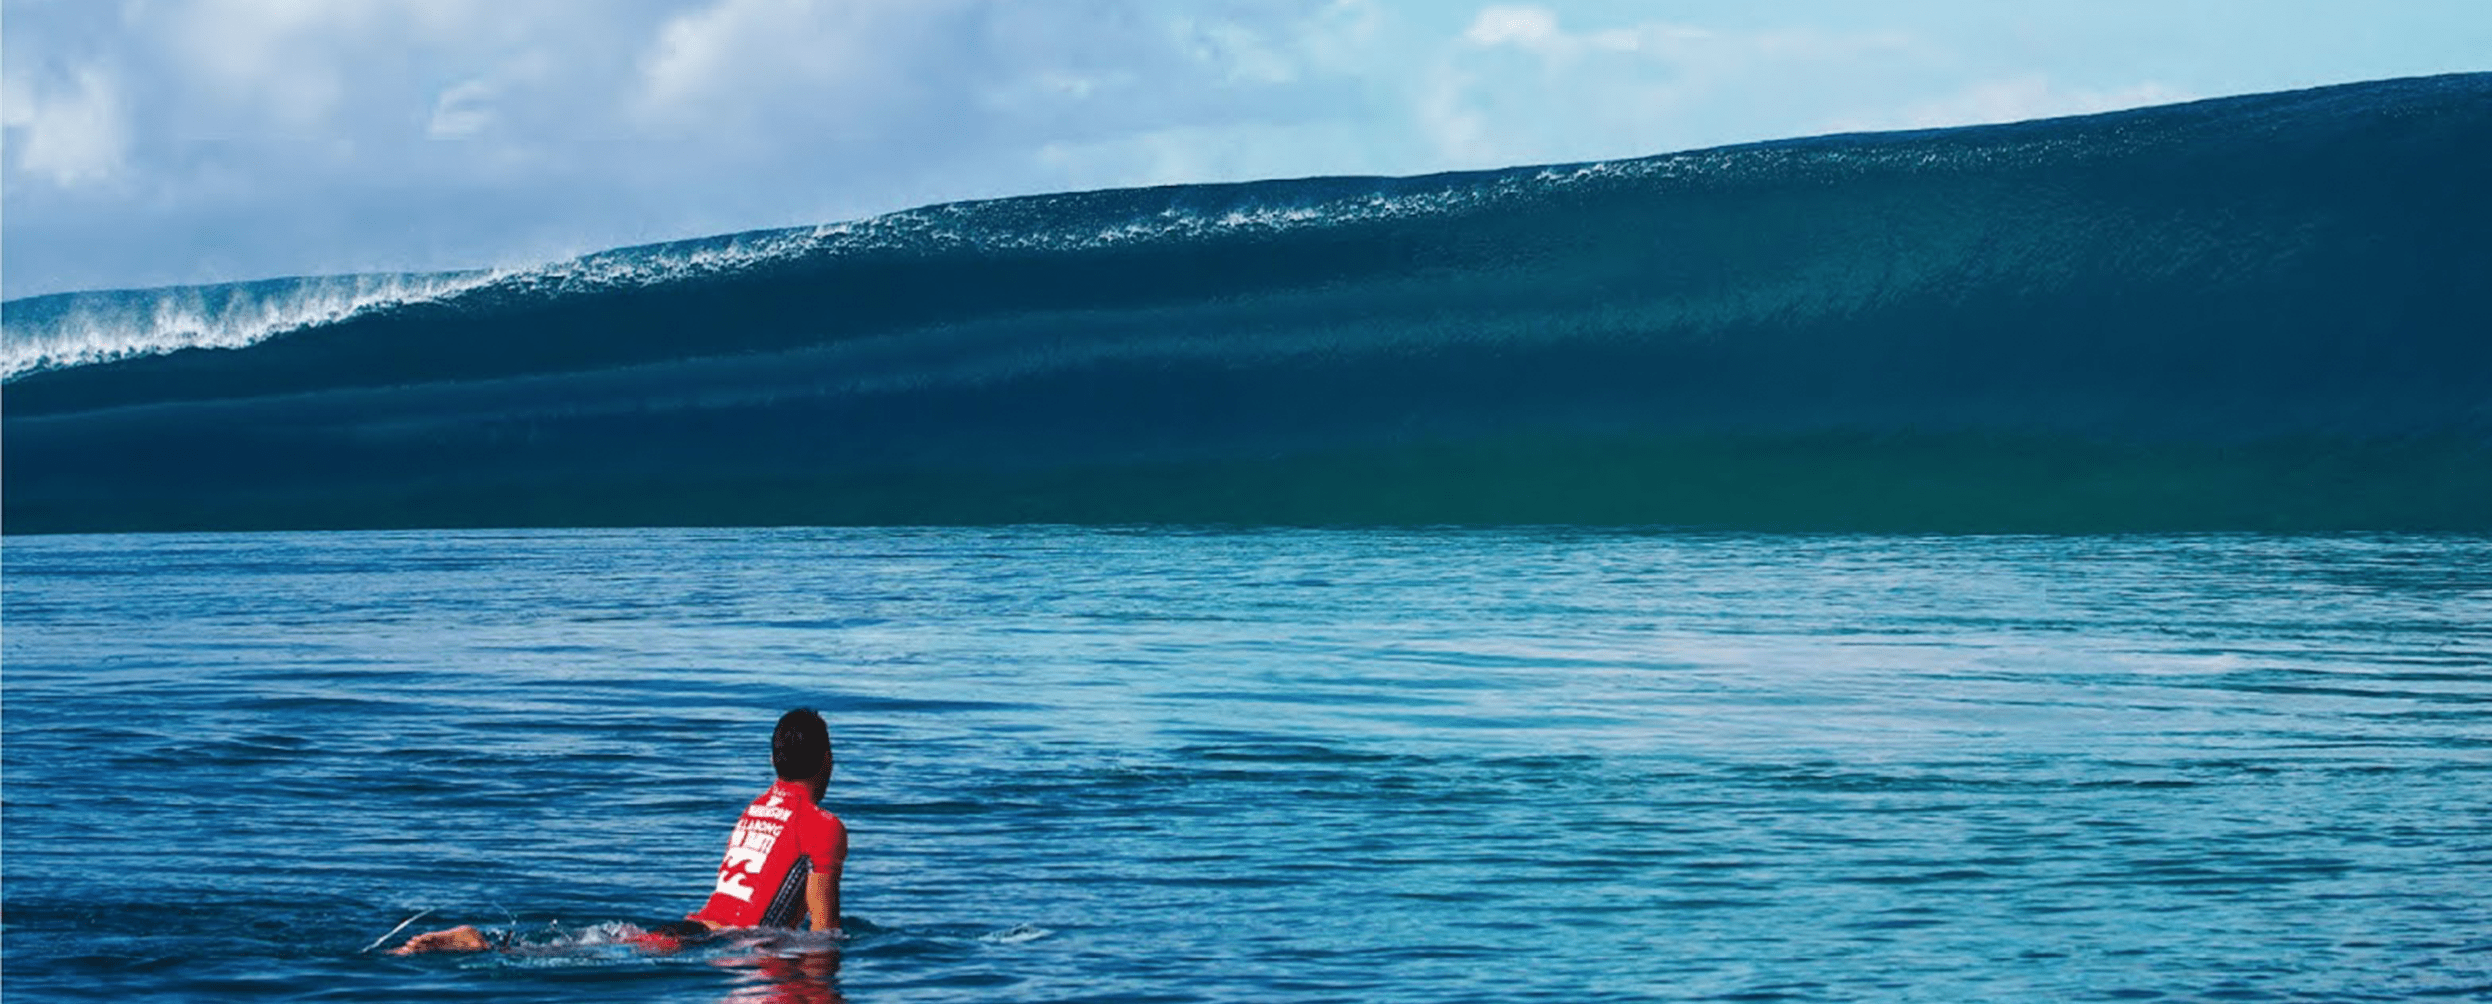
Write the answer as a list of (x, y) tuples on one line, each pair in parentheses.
[(822, 900), (462, 938), (822, 887)]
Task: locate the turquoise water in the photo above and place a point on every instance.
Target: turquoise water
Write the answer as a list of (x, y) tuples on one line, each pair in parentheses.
[(1093, 764)]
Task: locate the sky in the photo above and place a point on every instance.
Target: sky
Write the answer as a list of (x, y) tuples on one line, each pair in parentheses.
[(157, 142)]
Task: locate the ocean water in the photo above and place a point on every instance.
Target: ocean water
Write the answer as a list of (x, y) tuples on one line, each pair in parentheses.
[(2260, 313), (1102, 764)]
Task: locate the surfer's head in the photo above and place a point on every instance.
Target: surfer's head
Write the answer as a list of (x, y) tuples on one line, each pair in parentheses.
[(800, 748)]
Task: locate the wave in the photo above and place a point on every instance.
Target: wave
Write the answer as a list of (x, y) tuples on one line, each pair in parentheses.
[(2257, 312), (64, 330)]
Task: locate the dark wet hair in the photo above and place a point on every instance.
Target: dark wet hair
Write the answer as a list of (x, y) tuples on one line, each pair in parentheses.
[(797, 745)]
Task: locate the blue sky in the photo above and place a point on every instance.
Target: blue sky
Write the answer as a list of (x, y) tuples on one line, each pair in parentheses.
[(152, 142)]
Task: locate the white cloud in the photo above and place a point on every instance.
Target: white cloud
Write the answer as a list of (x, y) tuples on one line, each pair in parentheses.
[(300, 62), (736, 57), (1193, 154), (464, 109), (1341, 37), (268, 52), (1240, 54), (1577, 96), (476, 104), (72, 137), (1532, 28), (2011, 99), (1051, 88), (1536, 30), (1521, 85)]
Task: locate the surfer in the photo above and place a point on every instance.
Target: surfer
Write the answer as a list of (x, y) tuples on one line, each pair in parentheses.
[(783, 858)]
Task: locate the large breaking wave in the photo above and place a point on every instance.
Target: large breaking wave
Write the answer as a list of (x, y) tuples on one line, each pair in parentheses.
[(2260, 312)]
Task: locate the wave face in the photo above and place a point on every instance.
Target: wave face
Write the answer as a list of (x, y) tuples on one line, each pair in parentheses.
[(2266, 312)]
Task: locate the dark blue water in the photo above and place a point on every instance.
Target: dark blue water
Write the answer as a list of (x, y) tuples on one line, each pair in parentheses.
[(1093, 764), (2255, 313)]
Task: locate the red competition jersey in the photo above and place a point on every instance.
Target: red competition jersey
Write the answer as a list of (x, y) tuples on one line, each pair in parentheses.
[(782, 838)]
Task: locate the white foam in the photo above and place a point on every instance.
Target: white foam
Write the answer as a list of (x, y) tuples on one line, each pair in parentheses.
[(75, 329), (1018, 934)]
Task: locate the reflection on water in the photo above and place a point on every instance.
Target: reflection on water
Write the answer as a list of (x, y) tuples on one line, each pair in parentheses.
[(800, 978)]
